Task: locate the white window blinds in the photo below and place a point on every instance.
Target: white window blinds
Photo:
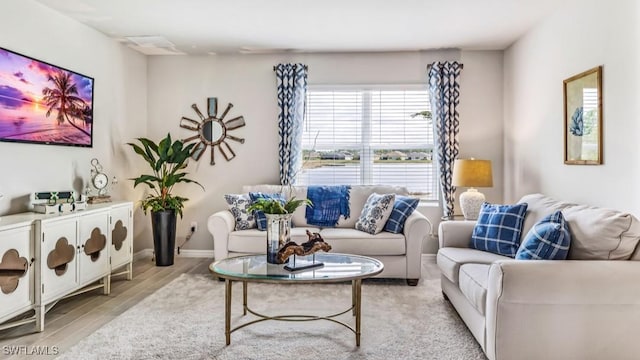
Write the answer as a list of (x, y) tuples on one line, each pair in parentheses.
[(367, 136)]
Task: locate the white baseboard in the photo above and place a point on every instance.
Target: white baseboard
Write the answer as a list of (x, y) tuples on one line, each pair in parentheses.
[(147, 253), (195, 253), (429, 256), (144, 253)]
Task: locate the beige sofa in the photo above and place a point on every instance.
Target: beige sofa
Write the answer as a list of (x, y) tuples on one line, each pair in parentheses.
[(400, 253), (587, 307)]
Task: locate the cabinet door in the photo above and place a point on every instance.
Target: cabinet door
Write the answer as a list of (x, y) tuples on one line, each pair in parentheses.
[(121, 236), (16, 273), (93, 256), (58, 263)]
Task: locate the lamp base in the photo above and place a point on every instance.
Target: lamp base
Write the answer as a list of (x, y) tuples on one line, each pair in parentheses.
[(470, 203)]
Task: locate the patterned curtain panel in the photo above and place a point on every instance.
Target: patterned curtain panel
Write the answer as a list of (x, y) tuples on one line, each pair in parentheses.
[(444, 89), (292, 93)]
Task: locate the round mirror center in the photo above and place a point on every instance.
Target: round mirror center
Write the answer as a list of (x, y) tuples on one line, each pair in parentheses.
[(212, 131)]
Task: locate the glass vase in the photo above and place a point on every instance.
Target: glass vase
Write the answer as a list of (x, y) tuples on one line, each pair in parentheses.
[(278, 234)]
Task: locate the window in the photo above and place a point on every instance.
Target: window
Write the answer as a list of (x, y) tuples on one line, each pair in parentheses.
[(367, 136)]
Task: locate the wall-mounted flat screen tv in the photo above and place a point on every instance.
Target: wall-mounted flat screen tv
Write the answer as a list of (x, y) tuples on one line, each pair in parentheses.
[(43, 103)]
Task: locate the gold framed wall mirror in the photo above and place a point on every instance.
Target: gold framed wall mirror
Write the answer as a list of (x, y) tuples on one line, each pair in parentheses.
[(583, 118)]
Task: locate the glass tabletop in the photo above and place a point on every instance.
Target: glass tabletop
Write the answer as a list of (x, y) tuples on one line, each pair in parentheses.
[(337, 267)]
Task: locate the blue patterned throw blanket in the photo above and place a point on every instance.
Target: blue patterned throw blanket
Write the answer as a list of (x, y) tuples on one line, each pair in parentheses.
[(329, 202)]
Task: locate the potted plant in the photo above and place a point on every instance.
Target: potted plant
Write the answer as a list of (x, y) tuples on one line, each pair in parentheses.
[(167, 161), (278, 215)]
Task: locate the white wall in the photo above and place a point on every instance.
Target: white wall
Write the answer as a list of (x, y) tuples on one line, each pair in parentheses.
[(248, 81), (119, 104), (578, 37)]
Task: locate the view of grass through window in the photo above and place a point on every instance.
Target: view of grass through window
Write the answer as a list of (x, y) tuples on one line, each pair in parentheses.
[(369, 136)]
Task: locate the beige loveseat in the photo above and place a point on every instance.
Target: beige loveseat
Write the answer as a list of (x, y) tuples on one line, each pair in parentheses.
[(587, 307), (400, 253)]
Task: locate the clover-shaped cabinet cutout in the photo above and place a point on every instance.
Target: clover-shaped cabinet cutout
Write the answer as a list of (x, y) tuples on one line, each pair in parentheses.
[(118, 235), (12, 268), (95, 244), (61, 256)]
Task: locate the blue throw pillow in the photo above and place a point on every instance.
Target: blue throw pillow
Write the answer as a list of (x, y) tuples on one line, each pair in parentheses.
[(261, 218), (548, 239), (498, 228), (402, 208)]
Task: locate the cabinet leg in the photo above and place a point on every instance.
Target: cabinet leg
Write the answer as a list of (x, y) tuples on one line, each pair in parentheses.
[(130, 271), (40, 318), (106, 290)]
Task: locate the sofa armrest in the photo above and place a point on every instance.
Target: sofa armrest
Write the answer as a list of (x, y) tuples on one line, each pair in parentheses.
[(220, 225), (574, 309), (455, 233), (416, 229)]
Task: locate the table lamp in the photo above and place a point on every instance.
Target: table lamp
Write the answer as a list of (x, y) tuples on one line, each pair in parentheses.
[(472, 173)]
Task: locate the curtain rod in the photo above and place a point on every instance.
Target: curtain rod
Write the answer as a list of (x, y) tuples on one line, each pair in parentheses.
[(305, 67), (430, 65)]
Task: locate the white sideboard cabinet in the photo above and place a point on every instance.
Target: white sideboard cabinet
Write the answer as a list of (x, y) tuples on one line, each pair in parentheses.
[(48, 257)]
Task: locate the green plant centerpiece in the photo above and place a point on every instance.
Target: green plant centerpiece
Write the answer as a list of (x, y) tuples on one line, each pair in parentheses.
[(167, 160), (277, 207), (278, 214)]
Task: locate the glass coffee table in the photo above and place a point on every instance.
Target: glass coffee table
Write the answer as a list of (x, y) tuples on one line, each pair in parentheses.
[(336, 268)]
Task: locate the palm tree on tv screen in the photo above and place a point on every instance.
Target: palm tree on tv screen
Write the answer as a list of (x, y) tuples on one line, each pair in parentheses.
[(63, 98)]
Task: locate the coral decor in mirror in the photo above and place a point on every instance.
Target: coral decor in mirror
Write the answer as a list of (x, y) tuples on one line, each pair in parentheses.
[(583, 118), (212, 131)]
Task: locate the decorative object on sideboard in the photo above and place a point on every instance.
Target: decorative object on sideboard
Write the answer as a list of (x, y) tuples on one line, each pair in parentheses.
[(314, 244), (583, 118), (279, 214), (101, 184), (472, 173), (167, 160), (53, 202), (212, 131)]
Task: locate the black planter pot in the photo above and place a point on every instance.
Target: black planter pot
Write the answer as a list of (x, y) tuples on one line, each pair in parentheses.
[(163, 224)]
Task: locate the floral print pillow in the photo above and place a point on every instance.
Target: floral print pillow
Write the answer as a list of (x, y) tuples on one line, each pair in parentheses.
[(238, 205), (375, 213)]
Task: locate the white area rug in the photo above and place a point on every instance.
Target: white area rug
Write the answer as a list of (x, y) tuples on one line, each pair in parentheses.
[(185, 320)]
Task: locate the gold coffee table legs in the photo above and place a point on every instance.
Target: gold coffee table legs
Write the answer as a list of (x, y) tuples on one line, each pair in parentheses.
[(355, 309)]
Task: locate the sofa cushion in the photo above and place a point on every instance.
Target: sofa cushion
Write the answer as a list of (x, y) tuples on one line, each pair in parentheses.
[(403, 206), (238, 205), (474, 279), (375, 213), (539, 206), (499, 228), (601, 234), (358, 197), (549, 239), (261, 218), (255, 241), (450, 259), (351, 241)]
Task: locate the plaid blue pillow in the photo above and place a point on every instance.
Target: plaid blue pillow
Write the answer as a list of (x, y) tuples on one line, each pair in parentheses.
[(548, 239), (498, 228), (261, 218), (402, 208)]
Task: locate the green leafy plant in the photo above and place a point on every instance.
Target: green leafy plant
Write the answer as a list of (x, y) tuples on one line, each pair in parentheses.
[(275, 206), (167, 160)]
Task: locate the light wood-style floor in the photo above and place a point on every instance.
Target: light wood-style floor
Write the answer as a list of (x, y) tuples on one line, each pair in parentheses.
[(73, 319)]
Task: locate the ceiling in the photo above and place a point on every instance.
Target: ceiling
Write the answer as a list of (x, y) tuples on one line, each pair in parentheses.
[(270, 26)]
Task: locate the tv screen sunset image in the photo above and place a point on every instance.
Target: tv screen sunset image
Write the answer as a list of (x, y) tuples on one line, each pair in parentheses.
[(43, 103)]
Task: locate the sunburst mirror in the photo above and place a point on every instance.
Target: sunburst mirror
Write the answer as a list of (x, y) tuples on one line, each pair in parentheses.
[(212, 131)]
